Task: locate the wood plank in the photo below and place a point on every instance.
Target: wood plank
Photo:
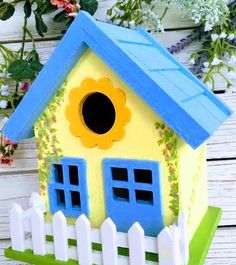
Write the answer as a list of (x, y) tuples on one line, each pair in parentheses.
[(222, 188), (11, 33), (14, 188), (222, 250)]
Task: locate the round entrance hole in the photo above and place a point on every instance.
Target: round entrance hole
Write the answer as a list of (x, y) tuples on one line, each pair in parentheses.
[(98, 113)]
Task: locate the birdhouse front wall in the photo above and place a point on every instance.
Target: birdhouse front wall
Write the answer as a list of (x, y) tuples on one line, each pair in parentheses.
[(114, 166)]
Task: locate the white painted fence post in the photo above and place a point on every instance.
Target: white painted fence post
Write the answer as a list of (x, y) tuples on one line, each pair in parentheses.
[(38, 232), (168, 246), (109, 243), (83, 238), (36, 201), (60, 236), (17, 227), (136, 245), (184, 244)]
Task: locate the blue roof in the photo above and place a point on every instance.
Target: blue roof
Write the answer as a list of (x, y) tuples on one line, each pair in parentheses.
[(171, 90)]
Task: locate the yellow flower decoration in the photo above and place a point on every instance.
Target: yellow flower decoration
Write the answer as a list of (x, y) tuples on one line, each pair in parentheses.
[(87, 114)]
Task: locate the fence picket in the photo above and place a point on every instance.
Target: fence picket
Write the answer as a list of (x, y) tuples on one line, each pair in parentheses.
[(36, 201), (83, 238), (109, 242), (38, 232), (168, 247), (136, 245), (183, 240), (171, 244), (60, 237), (17, 227)]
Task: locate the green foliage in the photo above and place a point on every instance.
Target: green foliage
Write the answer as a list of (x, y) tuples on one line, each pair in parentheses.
[(26, 68), (6, 10), (48, 146), (168, 141), (41, 27), (27, 8), (20, 69), (60, 17), (89, 6)]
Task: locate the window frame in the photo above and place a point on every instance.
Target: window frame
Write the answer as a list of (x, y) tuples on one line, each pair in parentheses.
[(131, 184), (54, 185)]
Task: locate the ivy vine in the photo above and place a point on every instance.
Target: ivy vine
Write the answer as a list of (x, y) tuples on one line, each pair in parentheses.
[(168, 142), (47, 144)]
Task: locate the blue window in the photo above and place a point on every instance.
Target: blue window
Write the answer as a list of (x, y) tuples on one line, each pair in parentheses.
[(68, 187), (133, 193)]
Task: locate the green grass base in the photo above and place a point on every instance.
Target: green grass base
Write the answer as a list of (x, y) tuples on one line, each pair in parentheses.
[(199, 245)]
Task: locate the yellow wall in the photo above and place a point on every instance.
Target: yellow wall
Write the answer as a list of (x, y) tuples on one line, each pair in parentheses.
[(140, 141), (193, 183)]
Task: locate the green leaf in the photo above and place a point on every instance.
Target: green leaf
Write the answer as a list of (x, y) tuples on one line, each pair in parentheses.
[(60, 17), (89, 6), (20, 69), (27, 8), (6, 10), (36, 66), (41, 27)]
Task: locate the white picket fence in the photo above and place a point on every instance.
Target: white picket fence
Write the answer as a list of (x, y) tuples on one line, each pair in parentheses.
[(28, 231)]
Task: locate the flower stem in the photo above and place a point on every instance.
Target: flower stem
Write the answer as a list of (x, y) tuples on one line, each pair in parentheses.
[(22, 45), (164, 13)]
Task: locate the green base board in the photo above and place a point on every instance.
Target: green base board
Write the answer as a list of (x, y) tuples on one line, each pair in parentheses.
[(199, 245), (202, 238)]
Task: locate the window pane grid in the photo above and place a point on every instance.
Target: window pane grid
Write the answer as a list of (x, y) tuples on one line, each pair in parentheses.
[(139, 184), (75, 201)]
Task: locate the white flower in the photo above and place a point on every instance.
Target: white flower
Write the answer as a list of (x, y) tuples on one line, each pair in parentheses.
[(215, 61), (214, 37), (21, 85), (72, 14), (205, 70), (206, 64), (5, 93), (208, 27), (232, 75), (125, 24), (231, 36), (223, 35), (132, 24), (108, 18), (117, 22), (192, 61), (4, 75), (3, 104), (4, 88)]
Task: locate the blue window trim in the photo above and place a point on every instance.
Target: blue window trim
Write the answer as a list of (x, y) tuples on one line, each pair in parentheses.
[(131, 184), (53, 185), (124, 210)]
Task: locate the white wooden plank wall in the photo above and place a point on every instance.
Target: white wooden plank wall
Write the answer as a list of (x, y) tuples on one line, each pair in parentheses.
[(18, 181)]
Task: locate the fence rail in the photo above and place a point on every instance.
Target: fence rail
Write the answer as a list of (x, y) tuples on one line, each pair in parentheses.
[(171, 244)]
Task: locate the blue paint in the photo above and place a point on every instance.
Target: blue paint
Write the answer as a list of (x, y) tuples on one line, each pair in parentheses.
[(126, 211), (79, 190), (171, 90)]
